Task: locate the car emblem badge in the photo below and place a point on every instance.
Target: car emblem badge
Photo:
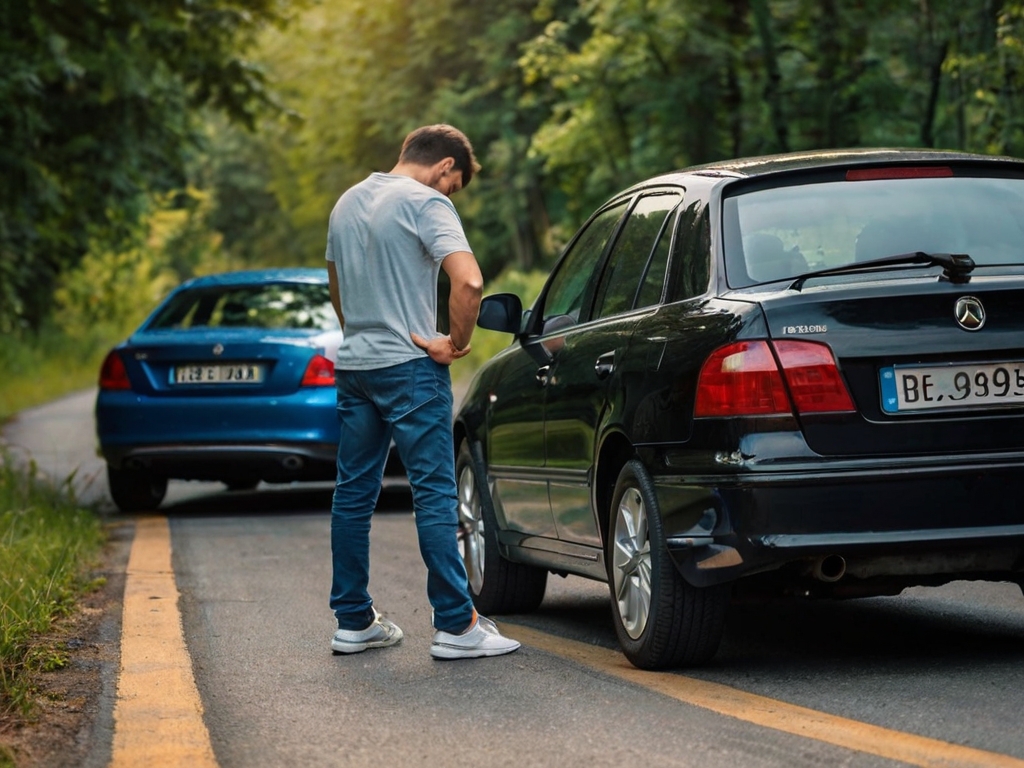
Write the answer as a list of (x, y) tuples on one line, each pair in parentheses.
[(969, 313), (218, 349)]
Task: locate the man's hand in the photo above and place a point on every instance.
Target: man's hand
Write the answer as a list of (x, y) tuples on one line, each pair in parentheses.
[(441, 349)]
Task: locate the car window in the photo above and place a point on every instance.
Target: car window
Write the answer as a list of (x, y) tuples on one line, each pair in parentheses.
[(271, 305), (638, 257), (691, 262), (575, 273), (781, 232)]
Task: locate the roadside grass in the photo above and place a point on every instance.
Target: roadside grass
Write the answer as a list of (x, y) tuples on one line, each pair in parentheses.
[(48, 365), (47, 543)]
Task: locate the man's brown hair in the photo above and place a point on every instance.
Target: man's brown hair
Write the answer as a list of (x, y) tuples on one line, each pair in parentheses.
[(433, 143)]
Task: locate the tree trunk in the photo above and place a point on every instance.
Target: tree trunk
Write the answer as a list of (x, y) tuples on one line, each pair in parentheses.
[(935, 84), (738, 31), (828, 73), (772, 95)]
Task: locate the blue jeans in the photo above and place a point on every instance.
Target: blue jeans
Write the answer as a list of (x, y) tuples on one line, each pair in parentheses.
[(412, 403)]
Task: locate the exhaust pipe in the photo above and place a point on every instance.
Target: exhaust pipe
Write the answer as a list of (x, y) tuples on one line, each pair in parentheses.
[(830, 568), (292, 463)]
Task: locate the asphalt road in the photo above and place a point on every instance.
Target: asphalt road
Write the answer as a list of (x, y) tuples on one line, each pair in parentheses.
[(916, 676)]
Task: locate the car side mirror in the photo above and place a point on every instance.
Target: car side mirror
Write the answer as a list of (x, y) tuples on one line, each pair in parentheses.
[(501, 312)]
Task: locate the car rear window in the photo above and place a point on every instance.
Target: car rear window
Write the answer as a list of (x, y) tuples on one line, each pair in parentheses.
[(781, 232), (268, 305)]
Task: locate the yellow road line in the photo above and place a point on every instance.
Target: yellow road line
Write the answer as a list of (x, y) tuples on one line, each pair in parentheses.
[(158, 716), (767, 712)]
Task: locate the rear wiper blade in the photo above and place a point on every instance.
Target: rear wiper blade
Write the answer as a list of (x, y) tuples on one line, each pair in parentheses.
[(956, 267)]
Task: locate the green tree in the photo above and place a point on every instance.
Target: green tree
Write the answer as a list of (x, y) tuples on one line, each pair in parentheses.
[(98, 107), (358, 76), (569, 100)]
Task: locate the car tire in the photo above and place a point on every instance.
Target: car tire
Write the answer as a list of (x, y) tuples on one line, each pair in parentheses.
[(497, 585), (136, 490), (661, 620)]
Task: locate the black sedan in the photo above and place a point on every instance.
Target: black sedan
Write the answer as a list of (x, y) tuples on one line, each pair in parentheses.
[(800, 374)]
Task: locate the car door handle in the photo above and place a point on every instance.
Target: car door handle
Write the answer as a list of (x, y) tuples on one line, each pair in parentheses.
[(542, 375), (605, 365)]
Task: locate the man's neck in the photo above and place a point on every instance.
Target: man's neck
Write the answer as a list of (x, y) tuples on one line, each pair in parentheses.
[(424, 174)]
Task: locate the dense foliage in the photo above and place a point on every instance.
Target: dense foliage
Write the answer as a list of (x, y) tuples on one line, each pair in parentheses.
[(99, 103), (569, 100), (565, 100)]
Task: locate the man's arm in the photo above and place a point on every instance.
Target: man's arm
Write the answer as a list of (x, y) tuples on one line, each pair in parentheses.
[(467, 285), (464, 301), (332, 280)]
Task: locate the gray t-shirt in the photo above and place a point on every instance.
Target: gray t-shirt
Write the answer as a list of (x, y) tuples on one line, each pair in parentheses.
[(387, 238)]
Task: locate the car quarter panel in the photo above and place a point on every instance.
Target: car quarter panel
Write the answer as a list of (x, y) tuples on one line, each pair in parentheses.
[(668, 348)]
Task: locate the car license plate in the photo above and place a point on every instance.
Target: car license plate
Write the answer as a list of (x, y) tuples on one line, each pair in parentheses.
[(222, 373), (932, 387)]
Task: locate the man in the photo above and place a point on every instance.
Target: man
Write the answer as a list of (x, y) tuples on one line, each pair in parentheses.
[(388, 238)]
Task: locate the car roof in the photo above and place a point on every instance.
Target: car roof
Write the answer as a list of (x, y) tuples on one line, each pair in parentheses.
[(765, 165), (261, 276)]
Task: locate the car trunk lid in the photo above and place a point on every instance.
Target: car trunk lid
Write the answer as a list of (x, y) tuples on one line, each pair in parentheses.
[(921, 381), (204, 363)]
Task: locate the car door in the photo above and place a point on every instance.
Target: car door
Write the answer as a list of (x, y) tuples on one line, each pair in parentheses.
[(515, 440), (516, 450), (586, 359)]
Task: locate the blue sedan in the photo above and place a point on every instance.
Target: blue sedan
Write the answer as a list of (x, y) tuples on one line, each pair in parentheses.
[(230, 379)]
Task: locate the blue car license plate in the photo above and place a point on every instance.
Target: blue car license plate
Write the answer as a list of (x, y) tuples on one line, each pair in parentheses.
[(222, 373), (909, 388)]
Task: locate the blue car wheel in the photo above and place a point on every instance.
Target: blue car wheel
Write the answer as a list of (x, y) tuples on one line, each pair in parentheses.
[(136, 490)]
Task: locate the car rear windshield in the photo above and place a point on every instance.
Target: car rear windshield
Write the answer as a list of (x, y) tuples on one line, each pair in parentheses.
[(268, 305), (781, 232)]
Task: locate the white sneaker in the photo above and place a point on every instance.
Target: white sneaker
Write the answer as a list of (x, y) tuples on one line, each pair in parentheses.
[(481, 639), (379, 634)]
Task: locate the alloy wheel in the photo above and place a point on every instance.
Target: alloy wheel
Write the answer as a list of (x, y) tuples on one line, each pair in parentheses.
[(631, 563), (471, 529)]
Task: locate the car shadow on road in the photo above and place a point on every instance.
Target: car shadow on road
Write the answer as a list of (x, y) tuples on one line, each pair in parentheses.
[(297, 499), (905, 635), (574, 608), (777, 638)]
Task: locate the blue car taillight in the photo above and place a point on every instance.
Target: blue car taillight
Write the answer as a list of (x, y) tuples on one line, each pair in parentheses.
[(319, 373), (113, 374)]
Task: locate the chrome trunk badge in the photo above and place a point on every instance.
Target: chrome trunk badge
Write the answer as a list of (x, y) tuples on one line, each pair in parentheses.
[(218, 349), (969, 313)]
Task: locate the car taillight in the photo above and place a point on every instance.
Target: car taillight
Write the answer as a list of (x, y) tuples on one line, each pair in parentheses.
[(319, 373), (813, 377), (741, 379), (744, 379), (113, 374)]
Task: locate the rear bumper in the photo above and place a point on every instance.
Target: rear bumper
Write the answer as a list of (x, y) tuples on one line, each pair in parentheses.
[(278, 440), (899, 524), (124, 418), (272, 463)]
